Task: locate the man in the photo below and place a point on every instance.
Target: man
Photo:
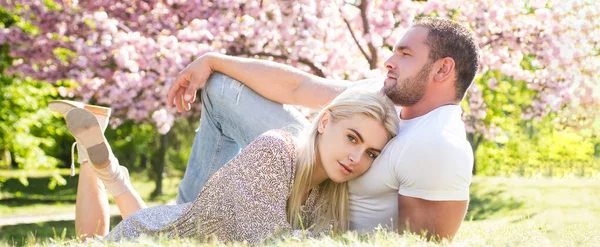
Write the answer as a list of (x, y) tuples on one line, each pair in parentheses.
[(421, 180)]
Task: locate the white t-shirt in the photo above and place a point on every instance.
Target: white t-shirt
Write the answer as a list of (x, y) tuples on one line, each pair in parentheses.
[(430, 159)]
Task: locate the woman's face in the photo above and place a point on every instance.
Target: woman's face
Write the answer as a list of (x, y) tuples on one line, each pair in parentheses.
[(347, 147)]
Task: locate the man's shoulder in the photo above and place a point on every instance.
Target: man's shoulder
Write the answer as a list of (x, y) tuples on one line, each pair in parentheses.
[(442, 127), (430, 141), (421, 143), (431, 134)]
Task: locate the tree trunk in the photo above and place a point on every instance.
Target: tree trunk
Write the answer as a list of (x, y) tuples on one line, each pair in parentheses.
[(143, 161), (474, 140), (159, 165), (7, 158)]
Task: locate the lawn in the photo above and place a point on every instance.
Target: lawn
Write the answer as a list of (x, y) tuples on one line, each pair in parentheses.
[(37, 200), (502, 212)]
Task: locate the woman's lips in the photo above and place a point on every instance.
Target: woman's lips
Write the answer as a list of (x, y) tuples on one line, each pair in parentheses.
[(345, 169)]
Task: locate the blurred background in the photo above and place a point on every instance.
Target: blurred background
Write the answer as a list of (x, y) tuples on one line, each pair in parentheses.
[(532, 114)]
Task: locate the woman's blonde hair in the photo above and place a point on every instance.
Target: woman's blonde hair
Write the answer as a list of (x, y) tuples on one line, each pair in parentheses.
[(333, 200)]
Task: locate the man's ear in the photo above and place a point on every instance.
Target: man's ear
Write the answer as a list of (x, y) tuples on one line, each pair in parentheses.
[(323, 122), (445, 70)]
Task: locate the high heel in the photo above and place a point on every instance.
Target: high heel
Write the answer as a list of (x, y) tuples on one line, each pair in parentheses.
[(101, 113), (86, 129), (84, 126), (63, 106)]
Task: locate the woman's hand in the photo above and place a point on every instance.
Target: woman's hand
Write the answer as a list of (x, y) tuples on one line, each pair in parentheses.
[(183, 92)]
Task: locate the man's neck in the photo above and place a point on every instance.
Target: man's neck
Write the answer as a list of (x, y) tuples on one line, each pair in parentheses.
[(421, 108)]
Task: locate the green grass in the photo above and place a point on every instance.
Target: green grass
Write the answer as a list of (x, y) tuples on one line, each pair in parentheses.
[(502, 212), (537, 212), (36, 199), (18, 199)]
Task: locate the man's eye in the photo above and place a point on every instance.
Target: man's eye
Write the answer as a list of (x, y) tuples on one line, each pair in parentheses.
[(405, 54), (352, 139)]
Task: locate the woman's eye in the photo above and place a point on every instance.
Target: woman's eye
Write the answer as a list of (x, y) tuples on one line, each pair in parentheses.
[(352, 139), (372, 155), (405, 54)]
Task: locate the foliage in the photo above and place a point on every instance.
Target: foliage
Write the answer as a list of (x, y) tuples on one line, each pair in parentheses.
[(135, 144), (538, 72), (138, 147), (517, 146), (548, 152), (19, 117), (125, 60), (30, 136)]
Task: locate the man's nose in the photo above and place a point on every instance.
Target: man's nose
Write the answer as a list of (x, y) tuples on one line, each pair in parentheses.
[(389, 65)]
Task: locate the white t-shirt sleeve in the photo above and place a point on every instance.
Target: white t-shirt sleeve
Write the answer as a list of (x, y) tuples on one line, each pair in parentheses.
[(434, 169)]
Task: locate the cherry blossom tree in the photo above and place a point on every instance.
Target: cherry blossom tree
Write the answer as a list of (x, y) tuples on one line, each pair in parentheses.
[(125, 53)]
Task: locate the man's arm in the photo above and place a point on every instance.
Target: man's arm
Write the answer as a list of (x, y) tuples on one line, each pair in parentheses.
[(440, 219), (435, 179), (274, 81)]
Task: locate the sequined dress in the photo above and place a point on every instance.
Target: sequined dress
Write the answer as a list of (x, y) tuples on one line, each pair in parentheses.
[(244, 200)]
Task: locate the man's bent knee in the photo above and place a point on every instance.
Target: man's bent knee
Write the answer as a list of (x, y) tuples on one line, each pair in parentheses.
[(221, 89)]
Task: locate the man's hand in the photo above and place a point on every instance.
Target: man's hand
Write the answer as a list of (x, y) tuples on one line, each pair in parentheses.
[(189, 80), (441, 219)]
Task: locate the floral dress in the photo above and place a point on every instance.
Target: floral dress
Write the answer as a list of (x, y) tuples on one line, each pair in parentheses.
[(244, 200)]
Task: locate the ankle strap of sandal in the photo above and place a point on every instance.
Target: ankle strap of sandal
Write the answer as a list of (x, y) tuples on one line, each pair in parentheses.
[(73, 159)]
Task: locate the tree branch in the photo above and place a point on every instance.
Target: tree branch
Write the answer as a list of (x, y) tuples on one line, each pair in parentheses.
[(365, 20), (499, 36), (356, 40), (318, 71)]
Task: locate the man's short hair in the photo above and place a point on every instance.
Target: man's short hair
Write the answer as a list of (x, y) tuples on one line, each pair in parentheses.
[(447, 38)]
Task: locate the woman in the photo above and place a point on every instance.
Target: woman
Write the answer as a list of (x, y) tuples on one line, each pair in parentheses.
[(278, 183)]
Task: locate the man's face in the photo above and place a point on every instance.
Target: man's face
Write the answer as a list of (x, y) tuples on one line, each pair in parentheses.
[(408, 68)]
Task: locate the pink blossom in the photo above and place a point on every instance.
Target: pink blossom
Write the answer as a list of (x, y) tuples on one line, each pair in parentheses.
[(538, 4), (493, 83), (543, 14), (128, 51)]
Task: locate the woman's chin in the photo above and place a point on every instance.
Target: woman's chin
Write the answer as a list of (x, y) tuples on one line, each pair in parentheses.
[(339, 179)]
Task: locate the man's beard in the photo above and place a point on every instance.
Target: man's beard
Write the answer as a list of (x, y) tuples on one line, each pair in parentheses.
[(409, 91)]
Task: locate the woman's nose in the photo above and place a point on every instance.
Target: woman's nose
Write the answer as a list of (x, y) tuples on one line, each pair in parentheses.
[(354, 157)]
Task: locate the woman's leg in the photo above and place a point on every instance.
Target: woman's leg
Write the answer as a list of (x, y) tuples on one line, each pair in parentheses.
[(116, 180), (129, 201), (94, 149), (92, 215)]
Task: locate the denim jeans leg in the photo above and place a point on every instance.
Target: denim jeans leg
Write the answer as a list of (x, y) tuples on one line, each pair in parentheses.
[(210, 147), (232, 116)]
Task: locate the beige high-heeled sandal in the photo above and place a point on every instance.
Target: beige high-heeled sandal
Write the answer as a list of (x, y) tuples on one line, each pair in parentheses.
[(63, 106), (86, 129), (101, 113)]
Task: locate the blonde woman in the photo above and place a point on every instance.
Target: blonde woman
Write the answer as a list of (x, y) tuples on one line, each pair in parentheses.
[(278, 183)]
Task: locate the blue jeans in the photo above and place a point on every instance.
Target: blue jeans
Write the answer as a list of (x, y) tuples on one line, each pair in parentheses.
[(233, 115)]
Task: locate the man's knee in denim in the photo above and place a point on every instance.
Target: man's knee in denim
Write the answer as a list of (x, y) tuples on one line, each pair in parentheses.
[(223, 90)]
